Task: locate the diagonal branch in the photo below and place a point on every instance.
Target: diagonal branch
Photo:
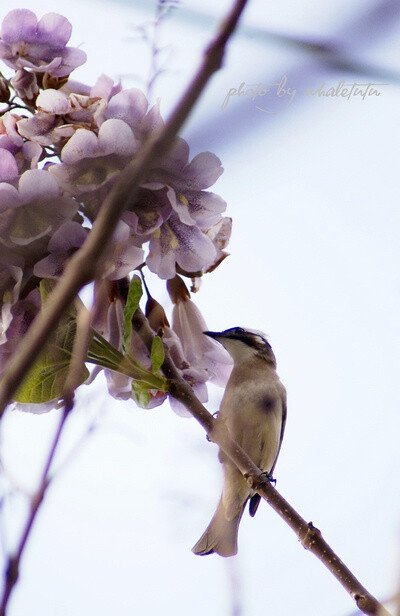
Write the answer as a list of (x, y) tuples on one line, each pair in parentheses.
[(83, 266), (309, 536)]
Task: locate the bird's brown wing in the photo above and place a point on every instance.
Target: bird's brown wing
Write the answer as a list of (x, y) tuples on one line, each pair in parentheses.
[(255, 500)]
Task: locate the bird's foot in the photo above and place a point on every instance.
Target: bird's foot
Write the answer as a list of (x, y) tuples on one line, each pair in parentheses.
[(269, 477)]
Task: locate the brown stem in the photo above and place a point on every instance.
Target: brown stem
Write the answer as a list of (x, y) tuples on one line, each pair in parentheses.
[(79, 354), (83, 266), (309, 536)]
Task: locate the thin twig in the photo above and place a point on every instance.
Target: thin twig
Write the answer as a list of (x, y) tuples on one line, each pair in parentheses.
[(79, 354), (156, 69), (309, 536), (13, 564), (83, 265)]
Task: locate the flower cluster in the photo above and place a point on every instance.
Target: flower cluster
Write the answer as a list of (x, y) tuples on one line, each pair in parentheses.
[(63, 145)]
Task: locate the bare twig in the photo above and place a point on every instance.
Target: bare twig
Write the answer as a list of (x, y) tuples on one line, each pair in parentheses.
[(156, 68), (79, 354), (309, 536), (79, 351), (149, 33), (12, 567), (83, 266)]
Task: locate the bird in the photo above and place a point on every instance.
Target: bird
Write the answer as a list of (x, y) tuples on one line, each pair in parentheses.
[(253, 409)]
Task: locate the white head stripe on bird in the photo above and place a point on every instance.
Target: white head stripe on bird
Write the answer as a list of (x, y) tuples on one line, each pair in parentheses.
[(251, 337)]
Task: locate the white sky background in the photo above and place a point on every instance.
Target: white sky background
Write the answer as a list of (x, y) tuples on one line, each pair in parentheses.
[(314, 195)]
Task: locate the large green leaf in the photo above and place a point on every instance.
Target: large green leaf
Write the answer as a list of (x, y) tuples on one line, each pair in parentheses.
[(45, 380)]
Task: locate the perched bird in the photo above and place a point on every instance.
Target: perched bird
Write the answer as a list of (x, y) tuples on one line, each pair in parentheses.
[(253, 410)]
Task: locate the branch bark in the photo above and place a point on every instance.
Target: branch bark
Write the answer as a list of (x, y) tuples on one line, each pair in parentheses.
[(83, 266), (310, 537)]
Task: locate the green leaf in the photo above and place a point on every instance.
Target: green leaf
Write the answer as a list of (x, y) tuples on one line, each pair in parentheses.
[(102, 353), (45, 380), (157, 353), (132, 303), (140, 394), (45, 288)]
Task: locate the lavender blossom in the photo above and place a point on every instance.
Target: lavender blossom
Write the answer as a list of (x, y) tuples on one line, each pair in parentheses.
[(25, 84), (59, 115), (183, 241), (11, 270), (26, 153), (91, 162), (188, 323), (40, 46), (63, 243), (172, 210), (32, 210), (197, 378), (132, 107), (23, 312), (150, 209), (104, 88), (123, 255), (82, 138), (176, 243), (9, 135), (8, 166), (189, 179)]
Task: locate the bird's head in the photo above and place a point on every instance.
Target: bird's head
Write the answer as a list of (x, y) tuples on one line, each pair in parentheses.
[(244, 344)]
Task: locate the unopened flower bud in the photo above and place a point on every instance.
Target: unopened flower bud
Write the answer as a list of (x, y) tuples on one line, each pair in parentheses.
[(4, 90), (52, 82), (156, 315), (25, 84), (177, 290)]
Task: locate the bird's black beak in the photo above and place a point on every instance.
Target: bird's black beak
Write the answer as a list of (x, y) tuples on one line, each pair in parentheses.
[(214, 335)]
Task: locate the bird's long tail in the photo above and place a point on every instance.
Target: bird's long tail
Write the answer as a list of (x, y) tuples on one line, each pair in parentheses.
[(220, 535)]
